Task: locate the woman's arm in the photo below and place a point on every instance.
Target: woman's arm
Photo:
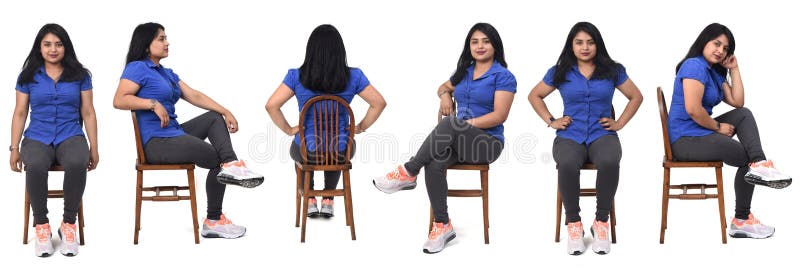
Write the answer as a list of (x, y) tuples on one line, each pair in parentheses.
[(629, 89), (17, 124), (693, 97), (90, 123), (281, 95), (125, 99), (536, 98), (502, 105), (376, 106), (445, 93), (733, 93), (200, 100)]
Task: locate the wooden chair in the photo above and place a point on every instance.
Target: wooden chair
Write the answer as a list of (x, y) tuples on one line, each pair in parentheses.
[(162, 193), (483, 192), (51, 194), (587, 192), (668, 163), (325, 115)]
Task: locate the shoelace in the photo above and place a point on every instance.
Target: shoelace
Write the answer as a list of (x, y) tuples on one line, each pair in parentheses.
[(575, 231), (602, 231), (394, 175), (69, 233), (438, 229), (42, 234)]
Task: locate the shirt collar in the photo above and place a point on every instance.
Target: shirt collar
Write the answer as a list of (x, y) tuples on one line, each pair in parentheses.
[(703, 60), (495, 68), (150, 63)]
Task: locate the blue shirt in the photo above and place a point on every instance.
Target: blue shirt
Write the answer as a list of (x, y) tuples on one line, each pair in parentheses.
[(357, 83), (161, 84), (585, 101), (680, 124), (55, 108), (475, 98)]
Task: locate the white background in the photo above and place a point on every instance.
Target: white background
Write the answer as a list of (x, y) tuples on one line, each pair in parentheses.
[(238, 52)]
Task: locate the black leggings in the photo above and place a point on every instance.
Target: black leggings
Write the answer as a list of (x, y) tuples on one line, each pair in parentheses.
[(452, 141), (191, 148), (605, 153), (73, 155), (718, 147)]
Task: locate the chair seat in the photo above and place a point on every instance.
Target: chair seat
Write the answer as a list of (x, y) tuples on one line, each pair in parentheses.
[(310, 167), (465, 166), (164, 166), (680, 164)]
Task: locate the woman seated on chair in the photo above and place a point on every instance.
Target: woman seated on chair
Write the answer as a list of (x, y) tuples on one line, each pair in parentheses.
[(324, 72), (58, 90), (586, 76), (472, 134), (700, 84), (151, 90)]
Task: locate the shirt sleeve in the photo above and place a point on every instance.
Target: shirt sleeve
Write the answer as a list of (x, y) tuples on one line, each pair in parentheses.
[(24, 88), (549, 76), (135, 71), (622, 75), (291, 79), (693, 69), (86, 84), (505, 81), (361, 80)]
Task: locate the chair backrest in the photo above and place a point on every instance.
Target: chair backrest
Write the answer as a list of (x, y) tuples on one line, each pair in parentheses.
[(325, 112), (662, 109), (139, 148)]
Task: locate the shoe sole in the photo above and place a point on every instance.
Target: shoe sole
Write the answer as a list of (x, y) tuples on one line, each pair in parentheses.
[(776, 184), (407, 187), (443, 246), (246, 183), (218, 235), (742, 234), (313, 215)]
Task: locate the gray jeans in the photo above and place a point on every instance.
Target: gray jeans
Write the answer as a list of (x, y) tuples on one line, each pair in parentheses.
[(605, 153), (718, 147), (73, 155), (452, 141), (192, 148), (331, 177)]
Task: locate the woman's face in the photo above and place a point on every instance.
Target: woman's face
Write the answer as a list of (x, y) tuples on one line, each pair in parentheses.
[(52, 49), (716, 50), (480, 47), (583, 46), (159, 48)]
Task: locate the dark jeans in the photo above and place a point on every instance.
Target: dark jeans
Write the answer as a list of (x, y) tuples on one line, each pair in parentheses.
[(452, 141), (331, 177), (73, 155), (191, 148), (718, 147), (605, 153)]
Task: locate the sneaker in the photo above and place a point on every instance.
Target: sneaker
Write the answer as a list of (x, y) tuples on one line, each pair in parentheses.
[(313, 211), (575, 244), (236, 173), (222, 228), (764, 173), (395, 181), (327, 208), (438, 238), (750, 228), (43, 246), (69, 241), (601, 244)]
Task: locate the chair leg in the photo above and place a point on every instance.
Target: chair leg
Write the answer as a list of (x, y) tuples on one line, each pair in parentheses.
[(306, 182), (664, 204), (348, 204), (138, 221), (558, 214), (297, 196), (193, 200), (80, 223), (430, 222), (27, 218), (613, 223), (485, 193), (721, 201)]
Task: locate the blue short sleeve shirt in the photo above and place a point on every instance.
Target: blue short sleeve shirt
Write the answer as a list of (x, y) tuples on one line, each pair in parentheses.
[(680, 124), (161, 84), (475, 98)]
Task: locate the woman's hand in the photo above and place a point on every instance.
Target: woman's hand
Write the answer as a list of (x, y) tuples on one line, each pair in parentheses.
[(726, 129), (230, 122), (162, 114), (15, 161), (730, 62), (293, 130), (446, 105), (561, 123), (94, 159), (610, 124)]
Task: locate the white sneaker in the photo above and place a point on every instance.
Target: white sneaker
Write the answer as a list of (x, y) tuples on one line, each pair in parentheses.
[(69, 239), (43, 247), (750, 228), (222, 228), (575, 245), (601, 245), (396, 180), (764, 173), (237, 173)]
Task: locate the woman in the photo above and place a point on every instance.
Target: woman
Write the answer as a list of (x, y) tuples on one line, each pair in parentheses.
[(151, 90), (58, 90), (586, 77), (324, 72), (484, 90), (700, 84)]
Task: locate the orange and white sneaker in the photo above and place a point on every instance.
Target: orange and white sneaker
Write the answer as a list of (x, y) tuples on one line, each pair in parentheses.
[(764, 173), (313, 210), (396, 180), (69, 240), (601, 244), (575, 245), (327, 208), (438, 238), (750, 228), (237, 173), (222, 228), (44, 245)]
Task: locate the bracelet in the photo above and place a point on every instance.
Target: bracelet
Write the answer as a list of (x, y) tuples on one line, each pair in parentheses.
[(718, 127), (445, 92), (152, 104), (551, 121)]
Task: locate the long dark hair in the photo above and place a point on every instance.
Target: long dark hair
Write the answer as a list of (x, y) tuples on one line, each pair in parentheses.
[(605, 67), (325, 66), (711, 32), (466, 58), (143, 35), (73, 69)]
